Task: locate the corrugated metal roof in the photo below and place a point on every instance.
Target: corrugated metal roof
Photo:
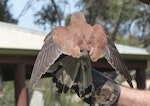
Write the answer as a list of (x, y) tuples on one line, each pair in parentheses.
[(14, 37)]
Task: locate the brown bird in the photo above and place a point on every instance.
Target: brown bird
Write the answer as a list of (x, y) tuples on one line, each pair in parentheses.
[(82, 43)]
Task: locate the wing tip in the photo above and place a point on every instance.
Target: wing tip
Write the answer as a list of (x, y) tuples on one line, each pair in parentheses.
[(32, 82), (130, 83)]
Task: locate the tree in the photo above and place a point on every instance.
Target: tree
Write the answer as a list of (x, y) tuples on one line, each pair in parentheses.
[(49, 14), (5, 14), (118, 17), (124, 18)]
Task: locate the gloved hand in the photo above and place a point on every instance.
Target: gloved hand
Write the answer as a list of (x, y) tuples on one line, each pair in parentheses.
[(106, 92)]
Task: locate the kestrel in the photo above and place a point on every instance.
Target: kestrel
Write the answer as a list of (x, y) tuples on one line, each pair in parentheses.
[(82, 43)]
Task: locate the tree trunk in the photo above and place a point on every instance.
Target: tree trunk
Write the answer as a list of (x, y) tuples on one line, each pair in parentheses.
[(118, 20)]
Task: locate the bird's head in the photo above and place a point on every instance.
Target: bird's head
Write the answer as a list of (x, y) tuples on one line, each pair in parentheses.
[(77, 16)]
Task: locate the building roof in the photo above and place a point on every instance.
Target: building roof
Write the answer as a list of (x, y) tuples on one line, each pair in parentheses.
[(124, 49), (15, 40), (14, 37)]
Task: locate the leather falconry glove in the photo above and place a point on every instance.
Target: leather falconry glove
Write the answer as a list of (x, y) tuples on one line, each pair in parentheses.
[(106, 91)]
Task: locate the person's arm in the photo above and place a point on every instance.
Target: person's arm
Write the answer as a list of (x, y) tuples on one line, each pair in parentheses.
[(133, 97)]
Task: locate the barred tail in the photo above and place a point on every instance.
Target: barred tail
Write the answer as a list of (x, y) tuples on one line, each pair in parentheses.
[(73, 73)]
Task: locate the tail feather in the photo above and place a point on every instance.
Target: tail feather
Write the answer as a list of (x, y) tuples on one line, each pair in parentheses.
[(73, 73), (84, 79)]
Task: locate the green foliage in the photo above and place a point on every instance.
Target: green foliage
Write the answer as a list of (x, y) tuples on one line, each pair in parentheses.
[(50, 96), (8, 94), (5, 14), (50, 14), (53, 98)]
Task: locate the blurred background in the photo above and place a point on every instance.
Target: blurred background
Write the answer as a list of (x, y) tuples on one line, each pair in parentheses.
[(127, 22)]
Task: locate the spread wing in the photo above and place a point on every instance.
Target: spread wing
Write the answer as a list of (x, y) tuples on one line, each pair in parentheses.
[(114, 59), (46, 57)]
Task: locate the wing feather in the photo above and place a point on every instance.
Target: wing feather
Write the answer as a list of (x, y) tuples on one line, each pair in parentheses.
[(114, 59), (46, 57)]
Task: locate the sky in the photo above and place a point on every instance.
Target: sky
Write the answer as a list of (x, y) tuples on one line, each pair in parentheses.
[(27, 20)]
